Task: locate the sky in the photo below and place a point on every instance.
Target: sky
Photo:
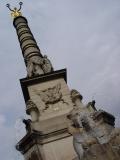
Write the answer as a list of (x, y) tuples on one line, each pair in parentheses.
[(80, 35)]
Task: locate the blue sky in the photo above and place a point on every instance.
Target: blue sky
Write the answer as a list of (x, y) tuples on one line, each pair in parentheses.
[(80, 35)]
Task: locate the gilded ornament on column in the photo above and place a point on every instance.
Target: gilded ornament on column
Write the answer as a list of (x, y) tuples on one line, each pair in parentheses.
[(15, 12)]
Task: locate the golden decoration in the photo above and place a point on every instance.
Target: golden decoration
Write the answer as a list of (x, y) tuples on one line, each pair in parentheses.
[(15, 12)]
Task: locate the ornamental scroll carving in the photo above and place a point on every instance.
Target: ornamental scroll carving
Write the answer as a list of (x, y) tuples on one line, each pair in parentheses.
[(30, 105)]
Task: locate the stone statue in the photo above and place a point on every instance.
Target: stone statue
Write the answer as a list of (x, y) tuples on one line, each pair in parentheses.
[(94, 137), (34, 66), (82, 119), (82, 138), (47, 65), (37, 65), (82, 122), (80, 113)]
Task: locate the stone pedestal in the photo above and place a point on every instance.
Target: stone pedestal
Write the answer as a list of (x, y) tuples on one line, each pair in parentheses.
[(36, 146), (48, 138)]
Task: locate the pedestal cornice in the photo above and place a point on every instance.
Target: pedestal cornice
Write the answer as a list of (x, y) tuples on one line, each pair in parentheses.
[(25, 82)]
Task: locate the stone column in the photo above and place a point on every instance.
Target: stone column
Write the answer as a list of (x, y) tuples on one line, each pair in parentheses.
[(28, 44)]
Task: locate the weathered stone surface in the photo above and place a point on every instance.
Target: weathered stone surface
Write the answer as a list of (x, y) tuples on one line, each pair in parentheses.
[(53, 101), (49, 96), (46, 147), (103, 152), (59, 150), (33, 154), (37, 65), (94, 135)]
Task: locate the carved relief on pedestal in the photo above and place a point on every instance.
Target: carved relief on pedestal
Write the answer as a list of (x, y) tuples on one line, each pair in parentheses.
[(51, 97)]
